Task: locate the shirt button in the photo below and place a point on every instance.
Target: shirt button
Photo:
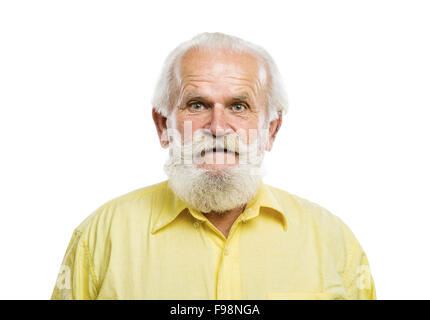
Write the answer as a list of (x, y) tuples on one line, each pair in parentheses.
[(226, 252), (196, 224)]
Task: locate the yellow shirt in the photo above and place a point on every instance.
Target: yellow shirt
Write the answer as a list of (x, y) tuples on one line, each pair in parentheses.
[(148, 244)]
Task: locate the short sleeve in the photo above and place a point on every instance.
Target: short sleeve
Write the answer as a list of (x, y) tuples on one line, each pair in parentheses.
[(76, 279), (358, 280)]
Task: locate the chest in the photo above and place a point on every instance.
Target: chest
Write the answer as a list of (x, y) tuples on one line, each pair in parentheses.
[(255, 262)]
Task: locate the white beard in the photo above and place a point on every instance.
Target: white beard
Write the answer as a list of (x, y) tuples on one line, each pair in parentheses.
[(214, 190)]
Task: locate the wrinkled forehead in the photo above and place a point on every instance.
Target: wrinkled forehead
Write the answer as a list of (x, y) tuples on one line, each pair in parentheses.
[(219, 64)]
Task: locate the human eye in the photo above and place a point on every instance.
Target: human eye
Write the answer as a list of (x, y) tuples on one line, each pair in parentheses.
[(238, 107), (196, 106)]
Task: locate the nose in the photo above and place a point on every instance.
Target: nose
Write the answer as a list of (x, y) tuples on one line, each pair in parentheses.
[(218, 124)]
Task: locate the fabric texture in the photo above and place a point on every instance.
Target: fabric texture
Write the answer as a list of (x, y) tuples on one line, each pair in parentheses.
[(148, 244)]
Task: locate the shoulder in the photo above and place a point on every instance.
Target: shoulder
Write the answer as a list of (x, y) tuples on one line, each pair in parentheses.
[(309, 216), (309, 220), (300, 207), (135, 204)]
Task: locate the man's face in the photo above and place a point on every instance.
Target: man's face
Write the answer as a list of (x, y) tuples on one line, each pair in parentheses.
[(219, 110), (220, 94)]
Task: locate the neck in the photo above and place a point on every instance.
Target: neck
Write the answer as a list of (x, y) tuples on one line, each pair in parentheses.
[(224, 220)]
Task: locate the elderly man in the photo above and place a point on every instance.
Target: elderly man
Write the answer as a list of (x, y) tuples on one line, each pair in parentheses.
[(214, 230)]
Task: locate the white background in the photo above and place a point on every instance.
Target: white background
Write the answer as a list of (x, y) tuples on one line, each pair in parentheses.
[(76, 80)]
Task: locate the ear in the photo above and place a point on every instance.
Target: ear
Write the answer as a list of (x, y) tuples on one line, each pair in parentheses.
[(274, 127), (161, 126)]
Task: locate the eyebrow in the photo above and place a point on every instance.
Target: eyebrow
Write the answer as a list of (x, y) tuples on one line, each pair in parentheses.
[(243, 97), (194, 96), (240, 97)]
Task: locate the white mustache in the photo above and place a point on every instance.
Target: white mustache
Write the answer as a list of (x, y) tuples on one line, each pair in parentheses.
[(203, 143)]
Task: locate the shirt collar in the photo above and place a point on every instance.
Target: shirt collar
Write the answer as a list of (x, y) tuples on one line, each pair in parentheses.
[(173, 206), (264, 198)]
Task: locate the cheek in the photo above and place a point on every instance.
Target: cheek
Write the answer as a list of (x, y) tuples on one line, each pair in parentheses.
[(187, 126), (247, 130)]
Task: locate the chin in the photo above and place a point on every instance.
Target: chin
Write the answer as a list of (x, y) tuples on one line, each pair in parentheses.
[(217, 167)]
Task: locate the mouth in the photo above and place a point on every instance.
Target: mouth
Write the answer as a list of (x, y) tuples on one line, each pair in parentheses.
[(224, 150)]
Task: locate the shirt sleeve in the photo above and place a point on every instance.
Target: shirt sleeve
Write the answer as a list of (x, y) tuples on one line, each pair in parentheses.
[(357, 278), (76, 279)]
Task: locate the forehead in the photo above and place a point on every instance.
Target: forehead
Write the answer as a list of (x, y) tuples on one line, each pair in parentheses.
[(221, 66)]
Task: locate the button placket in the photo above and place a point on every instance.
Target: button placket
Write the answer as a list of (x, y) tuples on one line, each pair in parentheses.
[(229, 283)]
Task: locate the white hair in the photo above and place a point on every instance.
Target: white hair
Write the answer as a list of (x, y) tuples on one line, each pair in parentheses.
[(165, 89)]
